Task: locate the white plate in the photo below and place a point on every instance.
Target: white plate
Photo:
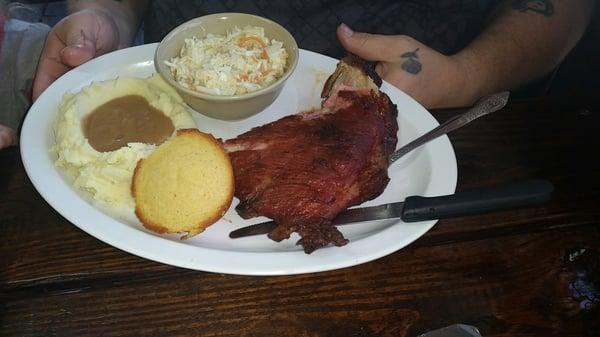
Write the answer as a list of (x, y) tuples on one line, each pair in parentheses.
[(428, 171)]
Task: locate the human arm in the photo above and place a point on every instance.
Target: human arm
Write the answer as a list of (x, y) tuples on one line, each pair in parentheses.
[(520, 44), (93, 28)]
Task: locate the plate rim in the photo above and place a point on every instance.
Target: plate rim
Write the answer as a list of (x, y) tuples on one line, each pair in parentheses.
[(184, 255)]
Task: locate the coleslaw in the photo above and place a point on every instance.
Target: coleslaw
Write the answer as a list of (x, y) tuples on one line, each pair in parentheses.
[(242, 61)]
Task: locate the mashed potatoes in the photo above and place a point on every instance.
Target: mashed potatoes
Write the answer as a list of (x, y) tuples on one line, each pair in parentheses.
[(107, 175)]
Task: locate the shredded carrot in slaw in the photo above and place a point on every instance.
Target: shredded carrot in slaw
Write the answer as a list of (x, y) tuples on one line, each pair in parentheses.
[(253, 38)]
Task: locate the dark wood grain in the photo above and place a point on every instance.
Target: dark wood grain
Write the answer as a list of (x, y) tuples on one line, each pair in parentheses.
[(502, 272), (506, 286)]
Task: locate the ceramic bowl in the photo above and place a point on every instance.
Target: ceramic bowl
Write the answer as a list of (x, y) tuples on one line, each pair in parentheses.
[(233, 107)]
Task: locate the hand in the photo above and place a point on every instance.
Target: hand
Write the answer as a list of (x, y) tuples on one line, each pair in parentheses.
[(8, 137), (433, 79), (74, 40)]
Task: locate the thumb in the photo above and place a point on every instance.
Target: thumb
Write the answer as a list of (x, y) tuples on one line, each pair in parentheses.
[(88, 34), (79, 49), (371, 47)]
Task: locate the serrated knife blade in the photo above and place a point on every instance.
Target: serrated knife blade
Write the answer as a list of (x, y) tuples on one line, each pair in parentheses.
[(418, 208)]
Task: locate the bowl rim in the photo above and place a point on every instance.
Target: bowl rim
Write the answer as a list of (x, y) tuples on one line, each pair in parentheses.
[(207, 96)]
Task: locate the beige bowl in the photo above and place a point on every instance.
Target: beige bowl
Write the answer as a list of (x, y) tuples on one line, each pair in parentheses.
[(225, 107)]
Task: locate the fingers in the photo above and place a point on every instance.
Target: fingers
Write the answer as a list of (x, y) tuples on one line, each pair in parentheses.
[(79, 48), (72, 42), (8, 137), (73, 56), (88, 35), (49, 70), (370, 47), (50, 66)]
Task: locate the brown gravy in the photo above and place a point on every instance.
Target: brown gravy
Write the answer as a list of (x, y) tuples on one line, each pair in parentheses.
[(127, 119)]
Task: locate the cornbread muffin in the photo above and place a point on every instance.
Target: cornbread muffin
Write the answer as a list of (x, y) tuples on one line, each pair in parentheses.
[(184, 186)]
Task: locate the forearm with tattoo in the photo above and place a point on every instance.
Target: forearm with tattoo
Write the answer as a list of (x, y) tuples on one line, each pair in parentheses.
[(524, 41), (543, 7)]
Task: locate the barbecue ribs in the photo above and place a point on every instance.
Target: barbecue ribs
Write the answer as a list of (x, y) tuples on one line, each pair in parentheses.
[(304, 169)]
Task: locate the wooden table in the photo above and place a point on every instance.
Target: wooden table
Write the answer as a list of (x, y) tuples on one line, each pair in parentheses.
[(515, 273)]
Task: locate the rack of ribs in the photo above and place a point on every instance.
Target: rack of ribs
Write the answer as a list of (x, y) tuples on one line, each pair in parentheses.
[(304, 169)]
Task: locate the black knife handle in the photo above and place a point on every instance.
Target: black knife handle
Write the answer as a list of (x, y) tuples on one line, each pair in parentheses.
[(527, 193)]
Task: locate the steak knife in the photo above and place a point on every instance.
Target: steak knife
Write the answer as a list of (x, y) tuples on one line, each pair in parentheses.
[(417, 208)]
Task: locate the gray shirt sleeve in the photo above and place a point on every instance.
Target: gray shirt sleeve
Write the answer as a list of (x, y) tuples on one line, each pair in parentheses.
[(21, 49)]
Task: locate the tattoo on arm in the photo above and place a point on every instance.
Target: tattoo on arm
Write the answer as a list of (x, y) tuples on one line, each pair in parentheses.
[(411, 63), (543, 7)]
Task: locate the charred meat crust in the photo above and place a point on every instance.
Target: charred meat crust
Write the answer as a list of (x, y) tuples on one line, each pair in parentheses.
[(304, 169)]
